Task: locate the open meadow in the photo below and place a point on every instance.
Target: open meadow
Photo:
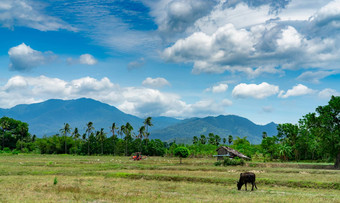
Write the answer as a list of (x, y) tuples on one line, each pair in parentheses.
[(64, 178)]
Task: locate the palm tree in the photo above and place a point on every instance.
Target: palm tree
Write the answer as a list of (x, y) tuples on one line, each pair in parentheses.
[(230, 139), (112, 129), (65, 130), (203, 139), (224, 140), (141, 134), (22, 129), (147, 124), (101, 136), (285, 150), (195, 140), (264, 135), (76, 135), (128, 129), (89, 131)]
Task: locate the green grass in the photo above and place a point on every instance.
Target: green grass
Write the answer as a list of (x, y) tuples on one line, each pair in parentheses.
[(30, 178)]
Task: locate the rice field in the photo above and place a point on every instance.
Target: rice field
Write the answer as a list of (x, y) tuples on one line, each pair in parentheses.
[(67, 178)]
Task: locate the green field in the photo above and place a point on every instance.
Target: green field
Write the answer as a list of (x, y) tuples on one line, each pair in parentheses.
[(67, 178)]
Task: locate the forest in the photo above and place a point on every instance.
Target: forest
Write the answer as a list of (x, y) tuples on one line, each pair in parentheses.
[(316, 137)]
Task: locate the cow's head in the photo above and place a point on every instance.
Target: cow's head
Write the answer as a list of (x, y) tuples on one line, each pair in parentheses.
[(239, 185)]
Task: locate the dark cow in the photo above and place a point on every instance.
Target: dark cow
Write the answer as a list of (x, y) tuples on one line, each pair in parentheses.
[(247, 177)]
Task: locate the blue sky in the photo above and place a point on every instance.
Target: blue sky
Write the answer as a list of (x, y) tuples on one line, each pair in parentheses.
[(265, 60)]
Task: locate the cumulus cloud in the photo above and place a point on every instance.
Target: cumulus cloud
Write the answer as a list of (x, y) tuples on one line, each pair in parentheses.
[(29, 14), (139, 101), (314, 77), (260, 91), (24, 58), (327, 93), (155, 82), (230, 39), (297, 90), (87, 59), (218, 88)]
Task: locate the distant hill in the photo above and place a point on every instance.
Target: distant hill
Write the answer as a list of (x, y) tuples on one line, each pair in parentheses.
[(47, 118), (220, 125)]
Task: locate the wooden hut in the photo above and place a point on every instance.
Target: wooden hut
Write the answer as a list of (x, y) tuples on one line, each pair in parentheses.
[(224, 151)]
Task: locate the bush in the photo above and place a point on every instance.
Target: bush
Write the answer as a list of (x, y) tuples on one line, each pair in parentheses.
[(218, 163), (181, 152), (233, 162)]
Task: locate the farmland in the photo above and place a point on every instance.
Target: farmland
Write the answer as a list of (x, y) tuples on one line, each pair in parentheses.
[(52, 178)]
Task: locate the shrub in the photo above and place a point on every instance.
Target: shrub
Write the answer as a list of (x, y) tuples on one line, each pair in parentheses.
[(55, 181), (233, 162), (218, 163), (181, 152)]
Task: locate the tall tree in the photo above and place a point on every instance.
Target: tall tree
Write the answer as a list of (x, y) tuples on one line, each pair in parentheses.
[(128, 130), (89, 130), (147, 124), (195, 140), (101, 136), (230, 139), (264, 135), (112, 129), (141, 134), (329, 122), (65, 130), (203, 139), (288, 133), (4, 124), (224, 140)]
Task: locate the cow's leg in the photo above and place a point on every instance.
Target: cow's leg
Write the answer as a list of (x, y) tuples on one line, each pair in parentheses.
[(246, 185), (252, 186), (255, 185)]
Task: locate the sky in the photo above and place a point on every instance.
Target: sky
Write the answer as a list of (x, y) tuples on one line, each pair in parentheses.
[(266, 60)]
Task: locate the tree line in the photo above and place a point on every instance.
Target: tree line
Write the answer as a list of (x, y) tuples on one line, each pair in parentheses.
[(120, 141), (315, 137)]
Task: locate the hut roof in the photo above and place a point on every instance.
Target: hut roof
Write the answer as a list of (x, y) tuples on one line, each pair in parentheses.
[(233, 151)]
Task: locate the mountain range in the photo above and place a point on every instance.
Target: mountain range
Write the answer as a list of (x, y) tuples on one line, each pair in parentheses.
[(47, 118)]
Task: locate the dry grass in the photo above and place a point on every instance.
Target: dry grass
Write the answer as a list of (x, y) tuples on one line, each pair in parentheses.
[(29, 178)]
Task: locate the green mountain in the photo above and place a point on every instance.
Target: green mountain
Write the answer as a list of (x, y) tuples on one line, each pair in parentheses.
[(47, 118), (223, 126)]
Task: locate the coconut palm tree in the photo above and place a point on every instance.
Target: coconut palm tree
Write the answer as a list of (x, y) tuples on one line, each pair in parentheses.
[(101, 136), (147, 124), (76, 135), (141, 134), (65, 130), (230, 139), (89, 131), (112, 129), (128, 129)]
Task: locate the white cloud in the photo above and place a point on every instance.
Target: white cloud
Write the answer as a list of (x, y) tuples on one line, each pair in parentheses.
[(87, 59), (260, 91), (28, 14), (218, 88), (242, 36), (327, 93), (314, 77), (24, 58), (139, 101), (297, 90), (155, 82)]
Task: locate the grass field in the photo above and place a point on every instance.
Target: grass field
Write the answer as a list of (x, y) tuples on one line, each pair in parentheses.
[(67, 178)]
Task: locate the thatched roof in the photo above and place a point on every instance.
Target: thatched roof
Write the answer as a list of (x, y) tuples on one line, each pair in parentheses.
[(233, 151)]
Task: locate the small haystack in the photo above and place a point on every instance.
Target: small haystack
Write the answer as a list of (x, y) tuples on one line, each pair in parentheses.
[(224, 151)]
